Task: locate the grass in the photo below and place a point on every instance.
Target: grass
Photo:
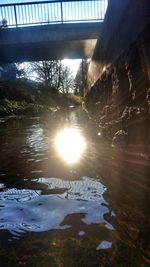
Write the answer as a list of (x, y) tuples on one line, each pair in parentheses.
[(26, 98)]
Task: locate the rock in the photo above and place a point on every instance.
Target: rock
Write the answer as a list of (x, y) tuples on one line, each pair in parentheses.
[(120, 139)]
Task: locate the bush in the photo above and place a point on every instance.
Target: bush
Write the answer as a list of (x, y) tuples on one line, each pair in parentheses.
[(12, 107)]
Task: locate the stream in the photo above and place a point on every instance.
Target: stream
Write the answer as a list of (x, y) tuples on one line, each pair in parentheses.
[(67, 198)]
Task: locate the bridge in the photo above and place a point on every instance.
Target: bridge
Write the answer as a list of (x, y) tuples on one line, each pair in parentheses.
[(48, 30)]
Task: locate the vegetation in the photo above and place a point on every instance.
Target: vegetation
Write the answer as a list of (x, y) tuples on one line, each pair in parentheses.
[(13, 107), (50, 86), (53, 75)]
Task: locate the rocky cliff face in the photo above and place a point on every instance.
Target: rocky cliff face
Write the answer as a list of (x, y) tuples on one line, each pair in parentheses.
[(122, 97)]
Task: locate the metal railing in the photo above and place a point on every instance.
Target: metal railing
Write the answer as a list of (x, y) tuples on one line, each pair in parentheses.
[(53, 12)]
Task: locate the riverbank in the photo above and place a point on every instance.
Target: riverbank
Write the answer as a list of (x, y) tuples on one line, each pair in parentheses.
[(23, 97)]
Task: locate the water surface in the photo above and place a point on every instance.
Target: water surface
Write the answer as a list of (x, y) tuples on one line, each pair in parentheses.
[(91, 212)]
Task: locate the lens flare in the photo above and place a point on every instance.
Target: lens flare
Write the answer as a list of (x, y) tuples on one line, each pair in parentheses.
[(70, 145)]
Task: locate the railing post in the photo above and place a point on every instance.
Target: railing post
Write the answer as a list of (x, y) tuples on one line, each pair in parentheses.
[(15, 15), (61, 10)]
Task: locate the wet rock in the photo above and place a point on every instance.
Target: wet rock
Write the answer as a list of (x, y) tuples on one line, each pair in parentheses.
[(148, 99), (120, 139)]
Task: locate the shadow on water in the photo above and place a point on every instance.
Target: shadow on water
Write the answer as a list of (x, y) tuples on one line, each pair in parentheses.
[(91, 213)]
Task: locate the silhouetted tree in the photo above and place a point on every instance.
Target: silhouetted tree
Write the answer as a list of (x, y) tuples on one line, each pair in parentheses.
[(21, 71), (53, 75), (81, 78)]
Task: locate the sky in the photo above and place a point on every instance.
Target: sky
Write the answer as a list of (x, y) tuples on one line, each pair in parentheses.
[(73, 65), (17, 1)]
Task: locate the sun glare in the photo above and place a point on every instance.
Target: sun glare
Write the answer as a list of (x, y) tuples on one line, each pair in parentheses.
[(70, 145)]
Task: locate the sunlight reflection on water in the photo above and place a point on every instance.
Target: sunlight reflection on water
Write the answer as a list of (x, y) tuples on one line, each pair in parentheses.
[(35, 140), (70, 144)]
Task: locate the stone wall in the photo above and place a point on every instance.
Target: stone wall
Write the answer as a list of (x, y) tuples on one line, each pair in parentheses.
[(121, 96), (125, 20)]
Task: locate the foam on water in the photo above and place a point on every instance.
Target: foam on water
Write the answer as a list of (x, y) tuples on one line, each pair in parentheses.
[(29, 210)]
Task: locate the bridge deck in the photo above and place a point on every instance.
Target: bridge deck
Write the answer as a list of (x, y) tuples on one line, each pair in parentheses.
[(50, 29), (49, 42)]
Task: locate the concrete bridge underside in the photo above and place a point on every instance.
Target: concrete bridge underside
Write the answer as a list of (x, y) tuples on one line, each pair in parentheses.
[(49, 42)]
